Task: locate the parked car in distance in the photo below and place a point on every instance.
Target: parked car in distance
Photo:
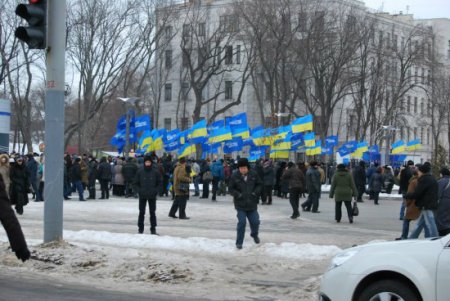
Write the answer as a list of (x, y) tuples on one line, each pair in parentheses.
[(409, 270)]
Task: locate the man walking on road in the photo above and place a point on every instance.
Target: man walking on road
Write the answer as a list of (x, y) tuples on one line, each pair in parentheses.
[(147, 183), (245, 187), (296, 181), (314, 188)]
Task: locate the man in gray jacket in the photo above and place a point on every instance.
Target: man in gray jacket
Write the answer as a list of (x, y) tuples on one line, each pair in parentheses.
[(314, 188)]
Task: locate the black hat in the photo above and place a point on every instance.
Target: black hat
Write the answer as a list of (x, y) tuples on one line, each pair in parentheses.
[(362, 163), (290, 164), (425, 167), (313, 163), (341, 166), (445, 171), (148, 158), (243, 162), (410, 162)]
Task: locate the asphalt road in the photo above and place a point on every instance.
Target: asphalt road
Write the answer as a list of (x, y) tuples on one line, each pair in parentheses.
[(20, 287)]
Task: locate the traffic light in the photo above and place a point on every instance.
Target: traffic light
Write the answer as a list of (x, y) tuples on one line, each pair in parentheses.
[(35, 13)]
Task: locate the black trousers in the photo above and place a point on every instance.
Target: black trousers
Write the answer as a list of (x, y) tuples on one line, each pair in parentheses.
[(338, 211), (152, 209), (205, 193), (104, 186), (266, 195), (361, 191), (215, 187), (294, 199), (179, 203)]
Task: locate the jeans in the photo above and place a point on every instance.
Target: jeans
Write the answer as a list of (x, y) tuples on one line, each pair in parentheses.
[(405, 228), (294, 198), (312, 203), (427, 222), (152, 210), (196, 182), (253, 219), (79, 187), (402, 210)]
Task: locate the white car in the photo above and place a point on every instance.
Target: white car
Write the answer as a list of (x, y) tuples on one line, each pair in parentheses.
[(409, 270)]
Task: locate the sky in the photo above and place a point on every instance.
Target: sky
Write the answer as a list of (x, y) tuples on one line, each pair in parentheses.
[(421, 9)]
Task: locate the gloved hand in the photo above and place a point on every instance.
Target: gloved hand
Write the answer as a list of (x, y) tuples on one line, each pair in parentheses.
[(23, 254)]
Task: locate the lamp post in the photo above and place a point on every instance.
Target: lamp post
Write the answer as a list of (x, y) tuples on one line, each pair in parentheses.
[(129, 101), (388, 129)]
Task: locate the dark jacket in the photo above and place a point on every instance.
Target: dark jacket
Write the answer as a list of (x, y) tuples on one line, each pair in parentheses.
[(129, 171), (32, 167), (269, 175), (359, 176), (342, 186), (313, 180), (104, 170), (405, 176), (92, 171), (19, 184), (10, 222), (426, 193), (443, 212), (376, 182), (76, 172), (295, 177), (245, 193), (147, 182)]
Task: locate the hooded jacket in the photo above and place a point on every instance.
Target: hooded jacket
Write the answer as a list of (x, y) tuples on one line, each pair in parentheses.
[(4, 171), (343, 187)]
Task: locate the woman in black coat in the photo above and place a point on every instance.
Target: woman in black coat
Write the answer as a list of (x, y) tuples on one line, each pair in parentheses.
[(20, 185), (12, 226), (376, 184)]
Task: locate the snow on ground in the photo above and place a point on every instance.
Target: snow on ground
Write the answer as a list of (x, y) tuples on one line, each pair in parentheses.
[(100, 248)]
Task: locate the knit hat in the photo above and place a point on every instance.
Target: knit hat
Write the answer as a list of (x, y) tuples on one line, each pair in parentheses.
[(148, 158), (425, 167), (243, 162)]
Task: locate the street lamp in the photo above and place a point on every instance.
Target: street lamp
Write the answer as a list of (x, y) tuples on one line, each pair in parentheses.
[(129, 102), (388, 136)]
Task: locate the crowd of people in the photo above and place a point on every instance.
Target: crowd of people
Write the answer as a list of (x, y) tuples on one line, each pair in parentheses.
[(426, 199)]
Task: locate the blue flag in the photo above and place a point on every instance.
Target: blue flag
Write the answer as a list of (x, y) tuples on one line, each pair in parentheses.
[(142, 123), (332, 141), (233, 145)]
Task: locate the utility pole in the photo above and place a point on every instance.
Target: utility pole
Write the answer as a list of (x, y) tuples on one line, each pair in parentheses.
[(54, 120)]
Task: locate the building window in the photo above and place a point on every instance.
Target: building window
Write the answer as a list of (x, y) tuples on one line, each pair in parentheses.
[(228, 55), (202, 29), (168, 59), (229, 23), (238, 54), (402, 44), (185, 91), (228, 90), (422, 107), (408, 104), (429, 77), (415, 133), (416, 76), (302, 22), (409, 79), (394, 42), (402, 132), (422, 135), (168, 92), (423, 76), (186, 30), (428, 136), (415, 104), (408, 134), (185, 58), (217, 56), (168, 32), (202, 56), (168, 124)]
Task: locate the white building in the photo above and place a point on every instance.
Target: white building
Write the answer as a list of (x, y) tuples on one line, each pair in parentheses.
[(197, 21)]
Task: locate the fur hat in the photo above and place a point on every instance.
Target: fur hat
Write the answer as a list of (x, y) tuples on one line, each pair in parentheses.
[(148, 158), (425, 167), (243, 162)]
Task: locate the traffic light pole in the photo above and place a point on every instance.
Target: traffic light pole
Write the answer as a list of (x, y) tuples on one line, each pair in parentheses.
[(54, 120)]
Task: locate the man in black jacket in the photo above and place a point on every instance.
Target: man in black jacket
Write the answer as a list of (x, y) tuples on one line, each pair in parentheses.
[(359, 176), (426, 197), (129, 171), (245, 186), (404, 177), (12, 226), (104, 176), (297, 184), (147, 183)]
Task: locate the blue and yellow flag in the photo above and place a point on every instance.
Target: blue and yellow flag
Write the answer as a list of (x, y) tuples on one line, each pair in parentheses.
[(413, 145), (398, 147), (220, 135), (310, 139), (302, 124), (186, 150), (145, 140), (315, 150), (279, 154), (198, 132)]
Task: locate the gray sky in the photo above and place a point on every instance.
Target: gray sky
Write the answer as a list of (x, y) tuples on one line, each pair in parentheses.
[(421, 9)]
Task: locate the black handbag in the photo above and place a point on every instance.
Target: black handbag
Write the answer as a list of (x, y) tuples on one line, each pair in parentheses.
[(183, 187), (355, 209)]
